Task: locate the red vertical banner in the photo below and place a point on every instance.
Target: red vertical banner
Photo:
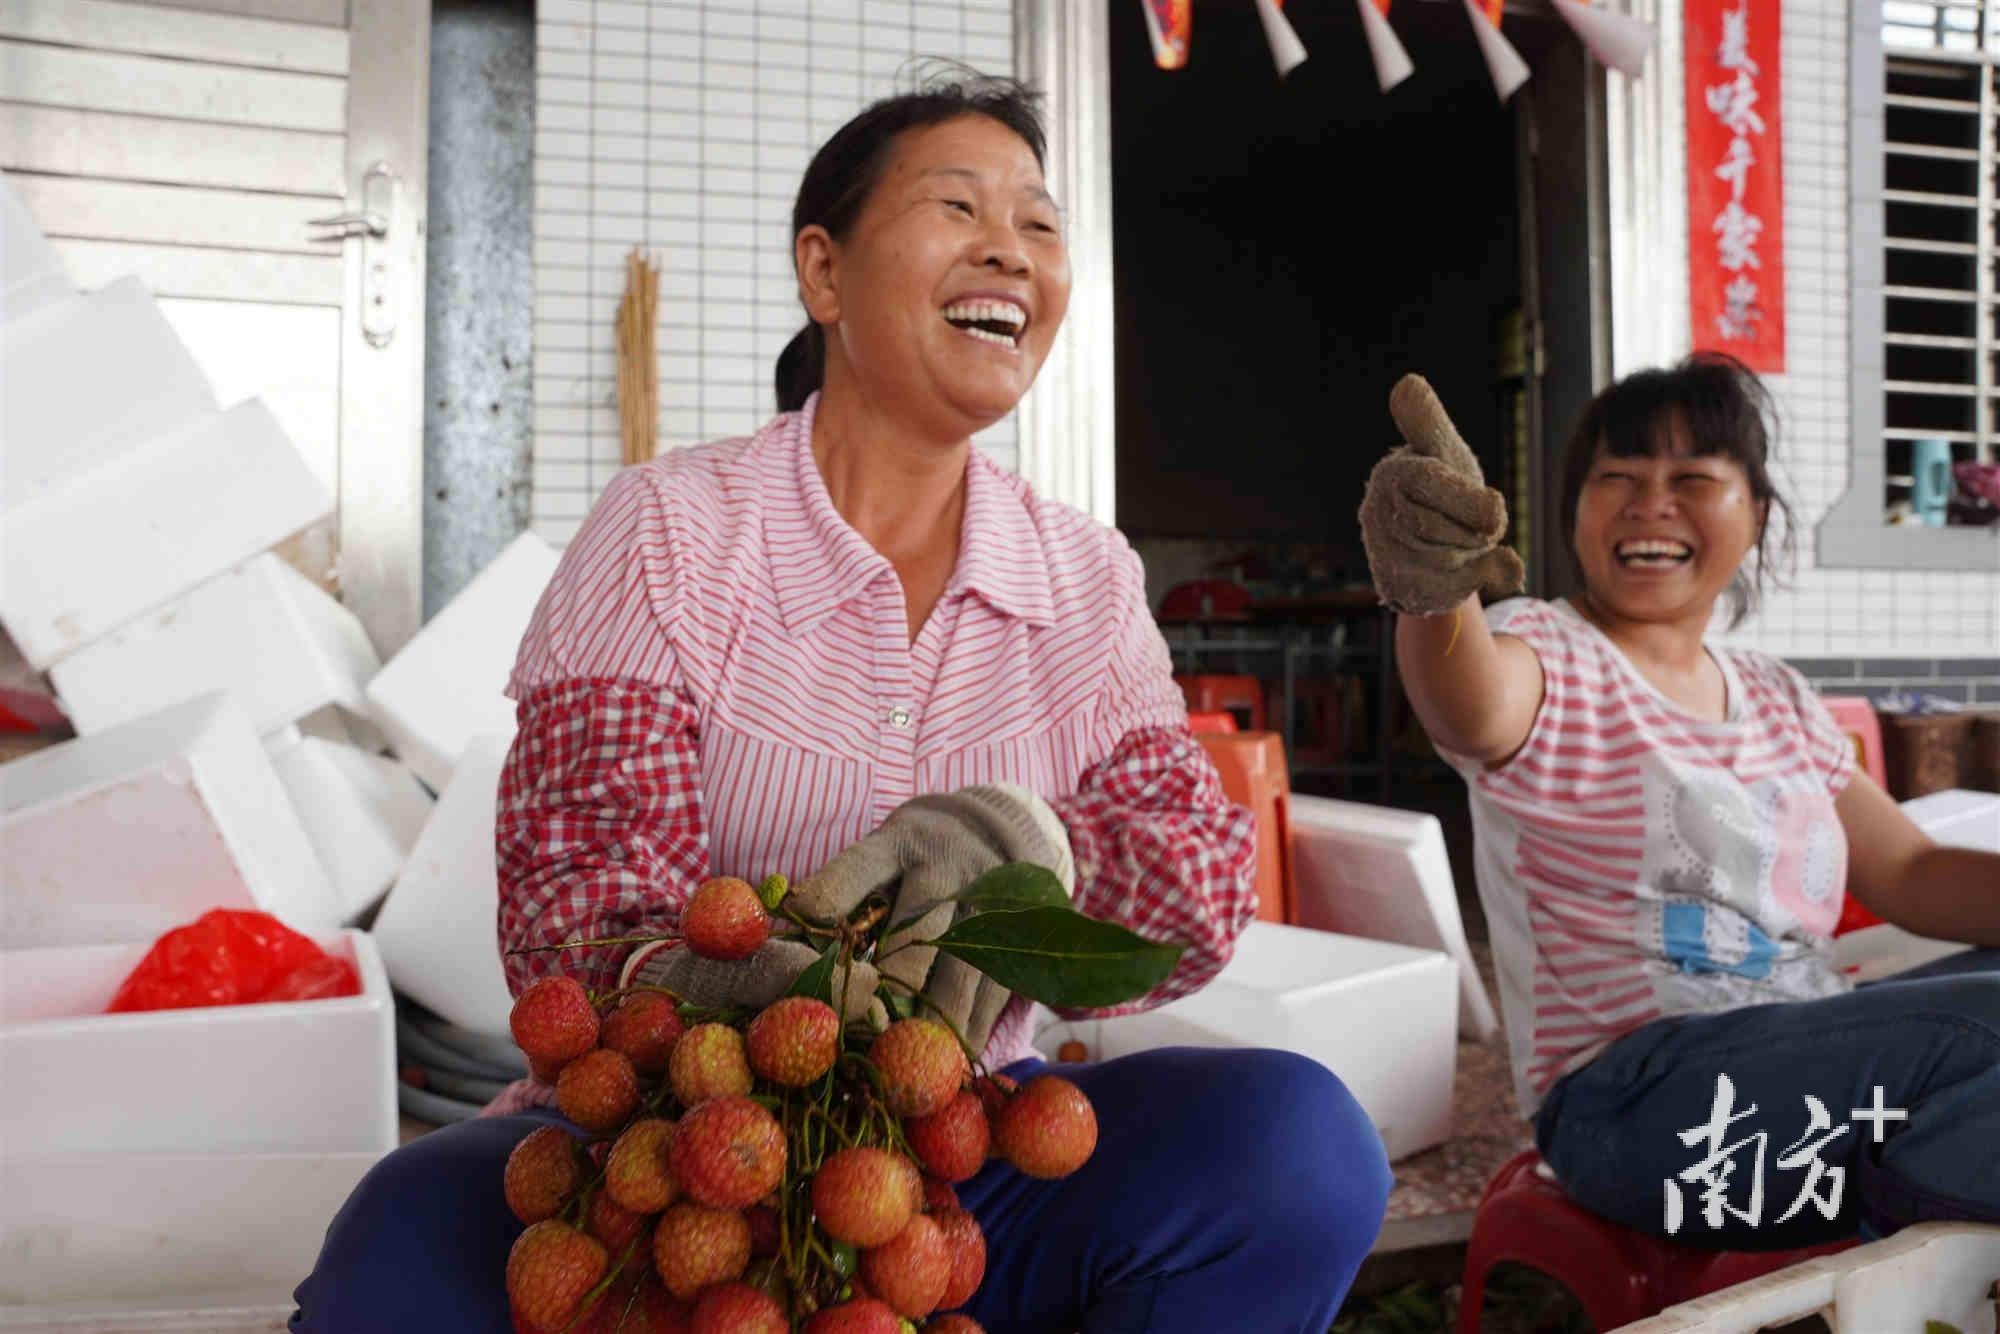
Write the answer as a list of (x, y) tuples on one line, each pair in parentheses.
[(1736, 193)]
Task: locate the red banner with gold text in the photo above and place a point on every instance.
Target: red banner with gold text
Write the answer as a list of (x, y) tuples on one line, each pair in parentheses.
[(1736, 195)]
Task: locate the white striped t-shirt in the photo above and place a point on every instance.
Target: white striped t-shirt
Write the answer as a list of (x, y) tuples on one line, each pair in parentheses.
[(1635, 861)]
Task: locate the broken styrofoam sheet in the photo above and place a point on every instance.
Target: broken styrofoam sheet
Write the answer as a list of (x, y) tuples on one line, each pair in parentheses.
[(31, 273), (111, 544), (124, 835), (447, 684), (262, 631), (89, 379), (437, 929), (361, 812)]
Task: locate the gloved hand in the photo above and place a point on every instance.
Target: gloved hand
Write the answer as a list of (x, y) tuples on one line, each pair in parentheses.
[(1430, 523), (751, 983), (924, 853)]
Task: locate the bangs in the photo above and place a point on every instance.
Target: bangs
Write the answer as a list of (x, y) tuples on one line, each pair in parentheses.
[(1704, 411)]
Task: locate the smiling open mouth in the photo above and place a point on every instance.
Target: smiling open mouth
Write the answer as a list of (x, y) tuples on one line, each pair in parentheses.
[(998, 322), (1653, 554)]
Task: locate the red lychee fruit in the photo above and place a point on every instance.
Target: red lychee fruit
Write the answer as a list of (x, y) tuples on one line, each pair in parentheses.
[(956, 1323), (922, 1065), (694, 1246), (550, 1268), (864, 1315), (542, 1173), (939, 1196), (951, 1143), (765, 1233), (1048, 1129), (553, 1022), (864, 1196), (598, 1090), (728, 1153), (738, 1308), (1072, 1051), (910, 1270), (615, 1225), (644, 1027), (724, 919), (794, 1041), (638, 1174), (966, 1242), (709, 1062), (993, 1091)]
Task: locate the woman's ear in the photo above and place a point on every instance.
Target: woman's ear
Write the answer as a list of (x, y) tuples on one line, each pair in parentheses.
[(817, 261)]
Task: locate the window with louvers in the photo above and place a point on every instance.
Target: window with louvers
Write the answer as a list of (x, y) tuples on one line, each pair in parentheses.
[(1941, 317)]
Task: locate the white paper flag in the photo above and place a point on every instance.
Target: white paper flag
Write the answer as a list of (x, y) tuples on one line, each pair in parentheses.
[(1502, 60), (1619, 41), (1392, 62), (1286, 48)]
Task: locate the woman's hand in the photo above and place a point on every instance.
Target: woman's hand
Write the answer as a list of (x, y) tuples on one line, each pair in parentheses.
[(1431, 525), (919, 859)]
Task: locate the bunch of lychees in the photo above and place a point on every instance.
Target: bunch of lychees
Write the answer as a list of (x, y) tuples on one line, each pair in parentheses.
[(759, 1174)]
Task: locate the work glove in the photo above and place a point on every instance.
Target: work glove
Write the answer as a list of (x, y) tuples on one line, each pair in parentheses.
[(924, 853), (1431, 525), (750, 983)]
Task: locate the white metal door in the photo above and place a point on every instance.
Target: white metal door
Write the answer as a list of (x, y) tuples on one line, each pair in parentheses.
[(260, 165)]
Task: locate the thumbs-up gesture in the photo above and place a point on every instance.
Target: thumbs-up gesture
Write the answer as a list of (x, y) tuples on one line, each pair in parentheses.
[(1430, 523)]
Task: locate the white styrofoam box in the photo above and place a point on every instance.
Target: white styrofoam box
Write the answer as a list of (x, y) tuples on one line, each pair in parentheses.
[(437, 929), (447, 684), (1959, 818), (180, 508), (334, 723), (1383, 1017), (31, 274), (1942, 1272), (315, 1076), (1381, 873), (130, 1239), (122, 835), (262, 631), (361, 812), (88, 379)]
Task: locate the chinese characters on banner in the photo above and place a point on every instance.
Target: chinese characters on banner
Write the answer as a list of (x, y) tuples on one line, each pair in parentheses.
[(1736, 221)]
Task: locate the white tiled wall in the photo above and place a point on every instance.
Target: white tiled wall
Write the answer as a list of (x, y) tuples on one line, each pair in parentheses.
[(1840, 612), (684, 126)]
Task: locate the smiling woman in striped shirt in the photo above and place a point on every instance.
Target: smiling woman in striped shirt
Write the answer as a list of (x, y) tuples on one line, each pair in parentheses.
[(852, 643)]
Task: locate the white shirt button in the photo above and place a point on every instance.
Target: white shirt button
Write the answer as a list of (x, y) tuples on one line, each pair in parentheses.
[(899, 717)]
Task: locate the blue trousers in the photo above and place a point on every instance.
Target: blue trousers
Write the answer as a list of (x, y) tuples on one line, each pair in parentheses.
[(1642, 1123), (1230, 1190)]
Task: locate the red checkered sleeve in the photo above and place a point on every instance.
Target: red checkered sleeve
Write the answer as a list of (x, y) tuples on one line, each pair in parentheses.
[(1158, 847), (599, 824)]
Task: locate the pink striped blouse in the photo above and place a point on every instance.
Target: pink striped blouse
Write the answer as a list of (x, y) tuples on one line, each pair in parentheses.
[(1636, 861), (720, 680)]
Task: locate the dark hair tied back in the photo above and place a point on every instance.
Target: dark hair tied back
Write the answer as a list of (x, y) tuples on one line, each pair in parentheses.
[(844, 171)]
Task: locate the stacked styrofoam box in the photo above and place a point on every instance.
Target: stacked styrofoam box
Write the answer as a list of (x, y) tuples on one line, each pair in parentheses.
[(262, 631), (362, 812), (131, 832), (448, 684), (437, 929), (1299, 990), (31, 274)]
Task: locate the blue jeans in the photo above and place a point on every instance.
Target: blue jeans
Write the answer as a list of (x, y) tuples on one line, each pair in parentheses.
[(1229, 1190), (1631, 1129)]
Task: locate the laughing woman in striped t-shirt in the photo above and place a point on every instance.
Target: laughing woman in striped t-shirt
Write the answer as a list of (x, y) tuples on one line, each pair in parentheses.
[(852, 645), (1665, 830)]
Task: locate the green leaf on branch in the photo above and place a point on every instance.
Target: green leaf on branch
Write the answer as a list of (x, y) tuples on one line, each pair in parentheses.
[(1060, 957), (816, 978), (1014, 886)]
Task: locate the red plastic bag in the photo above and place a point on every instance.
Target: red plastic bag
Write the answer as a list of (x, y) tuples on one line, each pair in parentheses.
[(229, 956)]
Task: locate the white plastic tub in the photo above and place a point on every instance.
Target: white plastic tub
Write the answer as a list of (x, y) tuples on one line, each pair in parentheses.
[(1934, 1271), (166, 1241), (1383, 1017), (293, 1077)]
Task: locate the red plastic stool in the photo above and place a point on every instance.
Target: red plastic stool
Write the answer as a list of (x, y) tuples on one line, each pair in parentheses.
[(1252, 768), (1212, 723), (1618, 1274), (1240, 695), (1856, 717)]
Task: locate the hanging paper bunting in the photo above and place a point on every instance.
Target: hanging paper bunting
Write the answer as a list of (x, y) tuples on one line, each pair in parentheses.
[(1619, 41), (1503, 62), (1392, 62), (1286, 48), (1169, 23)]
